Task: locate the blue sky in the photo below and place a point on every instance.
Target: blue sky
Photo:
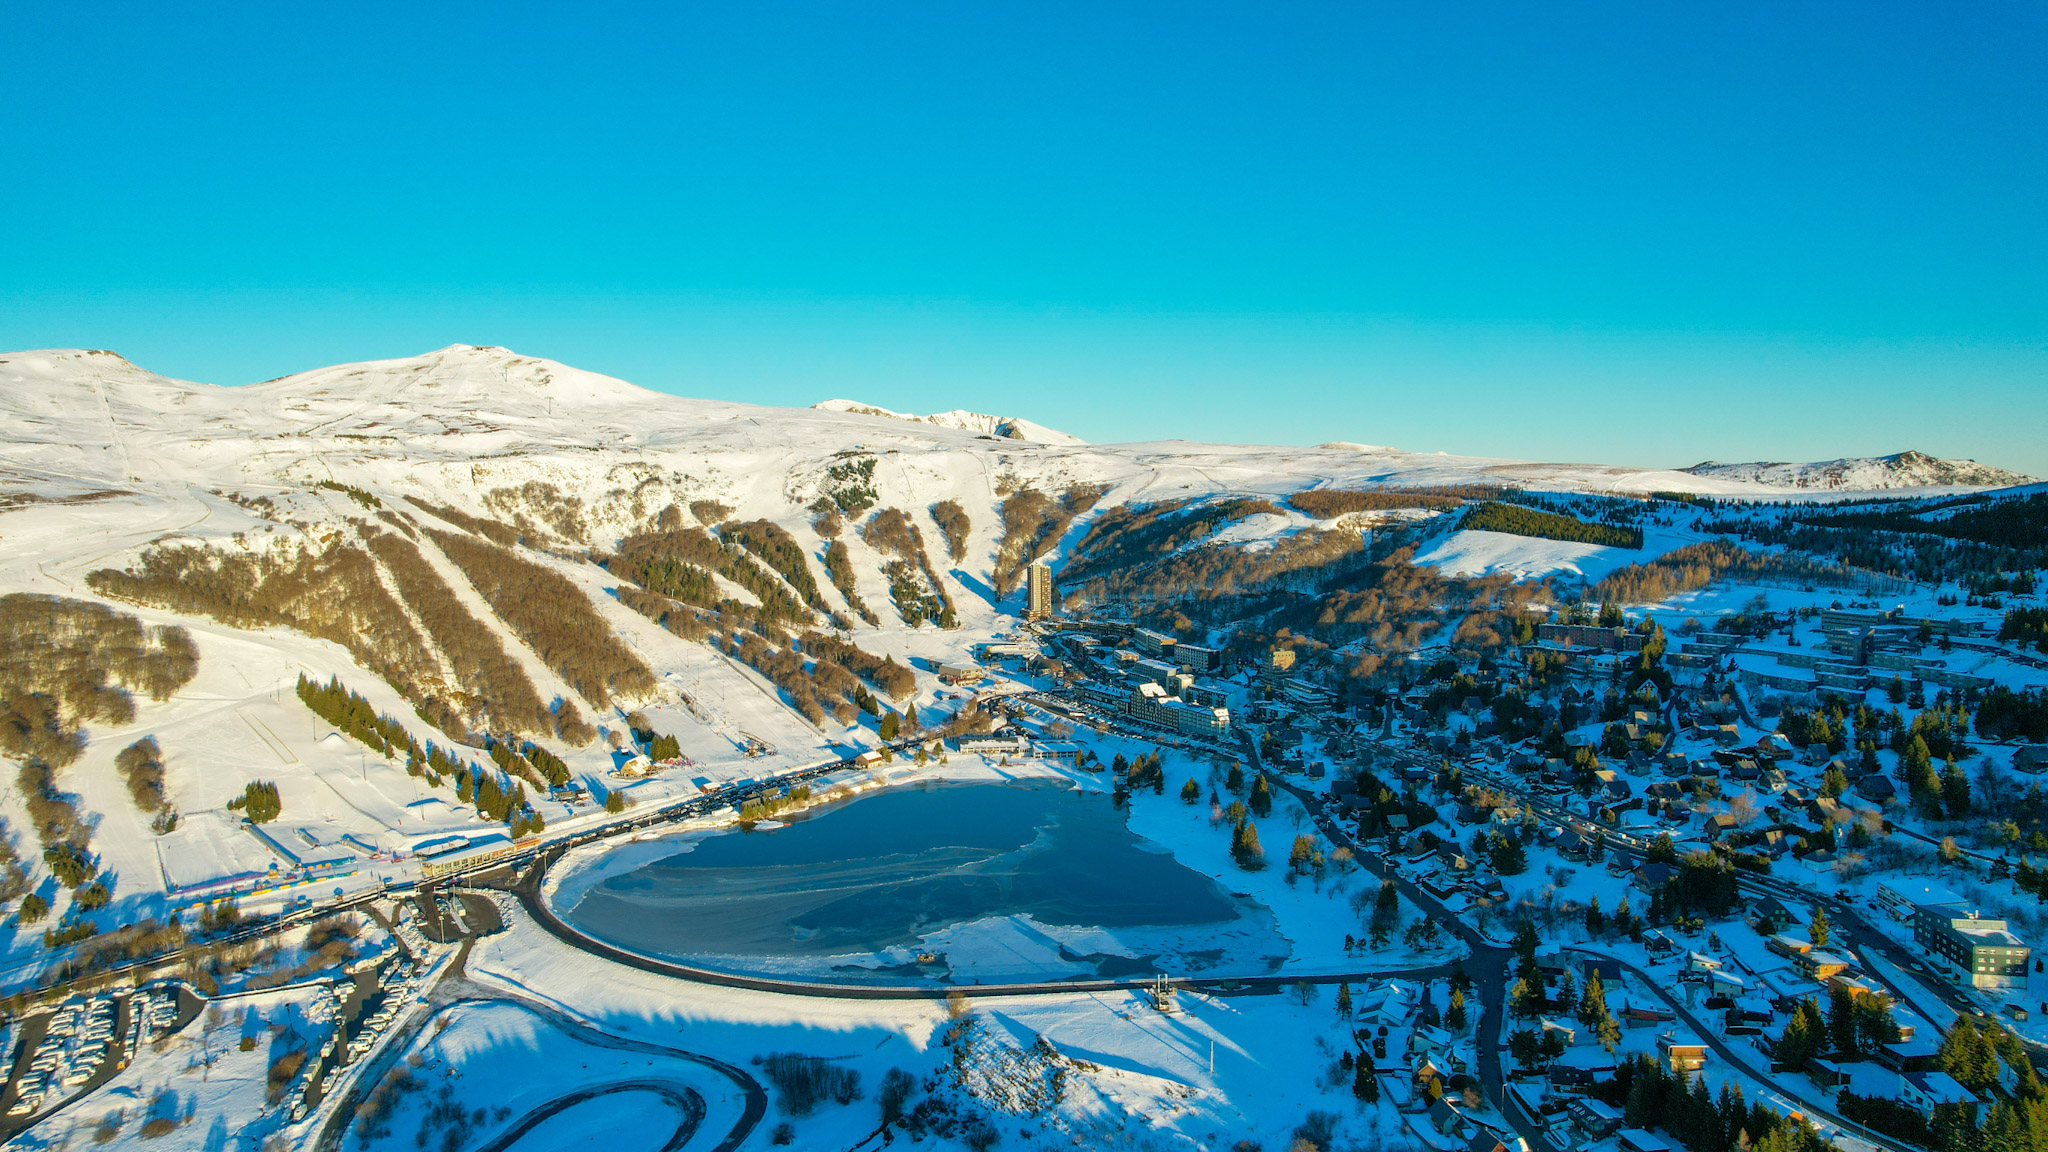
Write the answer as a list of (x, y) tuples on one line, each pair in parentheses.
[(1648, 234)]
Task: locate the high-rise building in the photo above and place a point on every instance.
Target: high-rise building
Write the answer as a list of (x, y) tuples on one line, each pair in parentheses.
[(1037, 592)]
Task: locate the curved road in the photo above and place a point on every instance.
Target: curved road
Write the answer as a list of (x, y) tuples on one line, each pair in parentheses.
[(685, 1100), (333, 1130), (1736, 1059)]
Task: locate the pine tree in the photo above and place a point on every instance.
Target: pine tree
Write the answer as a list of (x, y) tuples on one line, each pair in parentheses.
[(1842, 1019), (1234, 783), (1301, 858), (1817, 928), (1262, 797), (1955, 792), (1455, 1017), (1245, 847), (1190, 792), (1596, 921), (1343, 1001), (1364, 1085)]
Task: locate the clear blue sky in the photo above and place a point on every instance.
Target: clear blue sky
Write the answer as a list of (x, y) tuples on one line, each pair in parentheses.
[(1642, 233)]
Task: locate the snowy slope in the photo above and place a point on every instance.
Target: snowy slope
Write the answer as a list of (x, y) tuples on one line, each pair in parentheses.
[(100, 459), (1907, 469), (1008, 427)]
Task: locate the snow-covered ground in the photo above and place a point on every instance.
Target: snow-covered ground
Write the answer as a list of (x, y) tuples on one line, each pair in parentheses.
[(1137, 1078)]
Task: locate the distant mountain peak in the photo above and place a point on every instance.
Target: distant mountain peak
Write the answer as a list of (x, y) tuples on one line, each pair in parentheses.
[(1908, 469), (1004, 427)]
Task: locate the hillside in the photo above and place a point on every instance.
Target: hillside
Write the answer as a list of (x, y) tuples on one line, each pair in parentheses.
[(1907, 469), (515, 564), (1006, 427)]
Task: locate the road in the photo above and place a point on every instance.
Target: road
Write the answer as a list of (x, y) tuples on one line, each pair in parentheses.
[(1743, 1061), (687, 1103), (455, 988), (1488, 964), (1849, 923)]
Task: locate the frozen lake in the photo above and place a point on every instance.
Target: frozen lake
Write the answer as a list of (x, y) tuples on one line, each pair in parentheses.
[(1016, 881)]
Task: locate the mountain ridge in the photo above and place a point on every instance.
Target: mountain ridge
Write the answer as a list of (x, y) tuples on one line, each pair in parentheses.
[(1908, 469)]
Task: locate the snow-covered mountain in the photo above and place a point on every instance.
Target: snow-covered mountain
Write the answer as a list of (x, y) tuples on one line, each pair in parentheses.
[(1007, 427), (104, 464), (1907, 469)]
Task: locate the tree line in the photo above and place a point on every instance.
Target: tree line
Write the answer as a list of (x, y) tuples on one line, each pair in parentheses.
[(1133, 534), (913, 584), (1695, 566), (1034, 522), (954, 526), (1521, 520), (553, 617), (1330, 503), (498, 693)]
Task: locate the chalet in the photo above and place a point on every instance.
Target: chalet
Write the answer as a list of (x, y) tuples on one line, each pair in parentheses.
[(1926, 1091), (1578, 1078), (1652, 876), (1644, 1017), (1914, 1055), (1448, 1119), (1659, 942), (1429, 1044), (1768, 913), (1641, 1140), (1876, 788), (1608, 970), (1575, 847), (1595, 1118), (1681, 1056)]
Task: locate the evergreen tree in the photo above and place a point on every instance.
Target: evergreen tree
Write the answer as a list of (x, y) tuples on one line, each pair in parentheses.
[(1245, 847), (1955, 792), (1454, 1017), (1261, 798), (1364, 1085), (1817, 928), (1234, 783), (1525, 1047), (1596, 921), (1525, 999), (1343, 1001), (1804, 1036), (1842, 1020), (1525, 952), (1301, 858), (1508, 857), (1190, 792)]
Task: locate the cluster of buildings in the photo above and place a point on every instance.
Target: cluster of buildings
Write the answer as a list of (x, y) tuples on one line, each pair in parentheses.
[(1154, 689), (1858, 651)]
